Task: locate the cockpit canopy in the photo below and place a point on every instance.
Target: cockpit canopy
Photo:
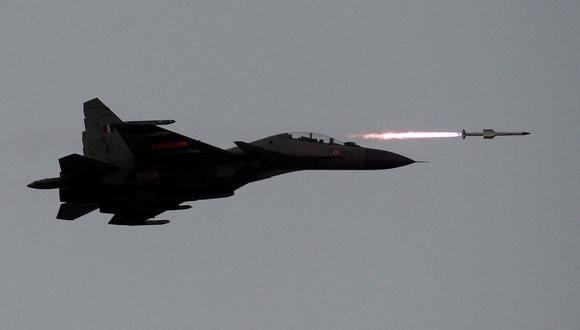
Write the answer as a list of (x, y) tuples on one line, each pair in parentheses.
[(314, 137)]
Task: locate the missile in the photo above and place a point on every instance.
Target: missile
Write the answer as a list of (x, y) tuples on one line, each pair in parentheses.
[(488, 133)]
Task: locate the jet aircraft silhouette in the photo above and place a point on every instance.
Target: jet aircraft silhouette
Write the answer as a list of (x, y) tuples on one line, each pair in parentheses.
[(137, 170)]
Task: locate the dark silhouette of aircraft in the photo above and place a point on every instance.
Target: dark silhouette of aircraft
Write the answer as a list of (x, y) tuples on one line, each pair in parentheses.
[(137, 170)]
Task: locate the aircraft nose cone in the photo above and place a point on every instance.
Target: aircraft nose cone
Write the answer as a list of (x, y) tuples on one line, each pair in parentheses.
[(380, 159)]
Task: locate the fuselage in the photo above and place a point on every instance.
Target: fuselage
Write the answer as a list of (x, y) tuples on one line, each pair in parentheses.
[(180, 178), (259, 160)]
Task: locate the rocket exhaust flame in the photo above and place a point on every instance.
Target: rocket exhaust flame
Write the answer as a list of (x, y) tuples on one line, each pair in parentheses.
[(405, 135)]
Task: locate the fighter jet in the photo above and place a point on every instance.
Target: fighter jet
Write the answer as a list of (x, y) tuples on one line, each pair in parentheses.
[(137, 170)]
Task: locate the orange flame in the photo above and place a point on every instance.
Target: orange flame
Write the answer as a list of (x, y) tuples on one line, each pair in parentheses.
[(405, 135)]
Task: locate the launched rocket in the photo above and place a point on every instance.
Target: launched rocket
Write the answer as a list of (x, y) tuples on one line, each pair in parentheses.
[(488, 133)]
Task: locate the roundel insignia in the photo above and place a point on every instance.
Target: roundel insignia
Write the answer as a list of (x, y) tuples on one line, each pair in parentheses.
[(335, 152)]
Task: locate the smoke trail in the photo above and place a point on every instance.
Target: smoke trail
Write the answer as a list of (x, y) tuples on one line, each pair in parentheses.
[(405, 135)]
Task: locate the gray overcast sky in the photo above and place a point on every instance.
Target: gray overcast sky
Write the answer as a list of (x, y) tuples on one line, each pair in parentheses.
[(486, 236)]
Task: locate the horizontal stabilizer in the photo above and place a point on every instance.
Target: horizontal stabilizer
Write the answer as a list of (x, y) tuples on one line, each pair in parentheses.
[(72, 211)]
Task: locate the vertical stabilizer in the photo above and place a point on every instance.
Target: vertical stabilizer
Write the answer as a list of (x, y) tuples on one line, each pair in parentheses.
[(101, 141)]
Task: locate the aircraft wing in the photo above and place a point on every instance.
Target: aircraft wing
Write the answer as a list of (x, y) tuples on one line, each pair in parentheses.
[(151, 142)]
